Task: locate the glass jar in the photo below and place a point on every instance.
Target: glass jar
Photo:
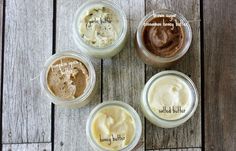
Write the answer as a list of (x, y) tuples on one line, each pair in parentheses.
[(110, 105), (169, 122), (79, 101), (159, 61), (111, 49)]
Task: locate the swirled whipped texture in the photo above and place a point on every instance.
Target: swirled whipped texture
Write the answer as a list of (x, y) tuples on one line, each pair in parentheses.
[(99, 26), (67, 78), (163, 37), (167, 95), (113, 128)]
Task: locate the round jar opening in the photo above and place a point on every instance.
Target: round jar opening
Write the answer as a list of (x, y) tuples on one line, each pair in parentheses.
[(170, 98), (163, 36), (113, 125), (68, 78), (100, 28)]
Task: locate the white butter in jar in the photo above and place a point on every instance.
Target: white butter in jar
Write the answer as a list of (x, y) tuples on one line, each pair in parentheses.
[(100, 28), (113, 128), (169, 99), (113, 125)]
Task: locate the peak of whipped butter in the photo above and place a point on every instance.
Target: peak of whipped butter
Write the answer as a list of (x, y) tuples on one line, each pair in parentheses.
[(99, 26), (67, 78), (170, 97), (113, 128)]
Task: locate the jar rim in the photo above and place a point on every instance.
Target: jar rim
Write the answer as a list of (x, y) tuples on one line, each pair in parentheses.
[(126, 107), (187, 32), (89, 87), (122, 35), (186, 79)]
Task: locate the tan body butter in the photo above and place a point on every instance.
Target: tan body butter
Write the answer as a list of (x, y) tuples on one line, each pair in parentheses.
[(68, 79)]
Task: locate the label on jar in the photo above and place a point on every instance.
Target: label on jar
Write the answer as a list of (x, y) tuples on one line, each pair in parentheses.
[(170, 97)]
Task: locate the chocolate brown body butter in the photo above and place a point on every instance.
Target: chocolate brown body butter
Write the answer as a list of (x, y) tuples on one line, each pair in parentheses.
[(163, 37), (67, 78)]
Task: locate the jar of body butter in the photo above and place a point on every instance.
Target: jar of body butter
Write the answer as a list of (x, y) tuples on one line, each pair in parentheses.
[(68, 79), (169, 99), (162, 38), (100, 28), (113, 125)]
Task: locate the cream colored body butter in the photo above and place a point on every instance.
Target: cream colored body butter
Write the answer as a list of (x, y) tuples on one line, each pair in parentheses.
[(113, 128), (170, 97)]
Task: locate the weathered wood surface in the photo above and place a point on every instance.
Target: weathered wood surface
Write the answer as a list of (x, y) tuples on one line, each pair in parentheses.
[(27, 147), (123, 75), (70, 124), (26, 114), (220, 74), (1, 46), (28, 42), (189, 134), (185, 149)]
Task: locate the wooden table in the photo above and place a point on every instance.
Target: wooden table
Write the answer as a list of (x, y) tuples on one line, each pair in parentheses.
[(33, 30)]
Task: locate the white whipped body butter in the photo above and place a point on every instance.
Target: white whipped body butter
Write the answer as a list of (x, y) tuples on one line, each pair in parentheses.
[(113, 125), (100, 28), (169, 99)]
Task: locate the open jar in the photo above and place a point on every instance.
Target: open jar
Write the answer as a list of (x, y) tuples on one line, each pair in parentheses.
[(162, 37), (169, 99), (68, 79), (100, 28), (113, 125)]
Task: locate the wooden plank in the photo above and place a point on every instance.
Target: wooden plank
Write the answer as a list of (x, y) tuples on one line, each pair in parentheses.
[(123, 75), (70, 124), (27, 147), (1, 46), (28, 43), (220, 70), (185, 149), (189, 134)]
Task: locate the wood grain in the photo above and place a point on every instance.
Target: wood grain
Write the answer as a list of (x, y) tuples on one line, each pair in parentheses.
[(70, 124), (1, 53), (189, 134), (26, 112), (219, 74), (185, 149), (28, 43), (27, 147), (123, 75)]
